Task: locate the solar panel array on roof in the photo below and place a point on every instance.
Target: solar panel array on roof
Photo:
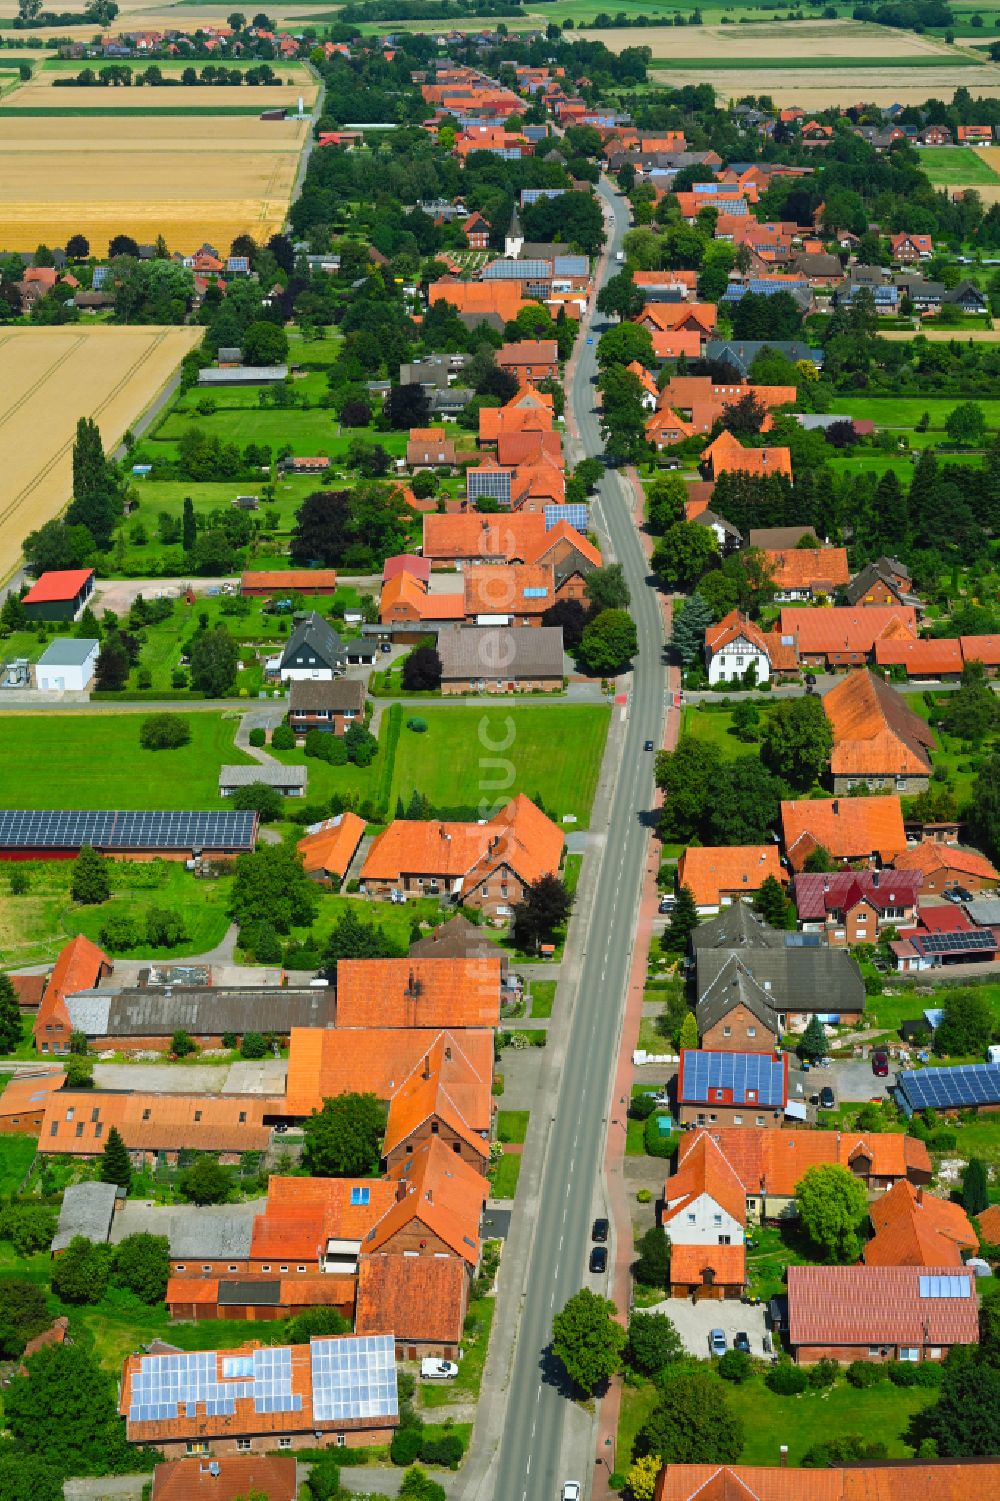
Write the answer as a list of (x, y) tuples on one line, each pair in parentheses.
[(943, 1088), (517, 271), (959, 942), (944, 1287), (576, 514), (53, 829), (757, 1078), (354, 1378), (493, 484), (163, 1382)]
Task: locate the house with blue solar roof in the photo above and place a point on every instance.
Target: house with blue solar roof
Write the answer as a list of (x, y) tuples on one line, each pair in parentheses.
[(732, 1089), (335, 1391)]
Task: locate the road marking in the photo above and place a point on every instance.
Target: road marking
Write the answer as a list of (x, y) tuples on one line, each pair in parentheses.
[(527, 1468)]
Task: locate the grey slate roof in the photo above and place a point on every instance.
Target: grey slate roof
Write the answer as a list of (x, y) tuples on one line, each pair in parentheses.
[(741, 353), (984, 911), (339, 694), (67, 651), (317, 634), (271, 776), (200, 1010), (734, 985), (737, 926), (823, 980), (87, 1209), (500, 651), (458, 938), (205, 1232)]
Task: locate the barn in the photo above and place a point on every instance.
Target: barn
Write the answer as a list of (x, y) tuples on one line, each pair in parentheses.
[(59, 595), (29, 834)]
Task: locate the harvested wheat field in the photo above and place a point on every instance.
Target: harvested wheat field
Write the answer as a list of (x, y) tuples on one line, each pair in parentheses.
[(819, 88), (45, 91), (49, 378), (189, 179), (807, 40)]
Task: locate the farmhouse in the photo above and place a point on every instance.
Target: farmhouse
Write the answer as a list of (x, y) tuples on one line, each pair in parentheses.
[(454, 541), (939, 867), (844, 636), (314, 651), (878, 741), (290, 781), (485, 865), (732, 1089), (530, 359), (808, 572), (59, 595), (736, 647), (853, 906), (889, 1480), (887, 581), (748, 993), (501, 659), (329, 706), (704, 1219), (720, 875), (848, 828), (146, 1018), (914, 1228), (156, 1126), (328, 848), (23, 1102), (67, 665), (81, 965), (200, 1479), (879, 1313)]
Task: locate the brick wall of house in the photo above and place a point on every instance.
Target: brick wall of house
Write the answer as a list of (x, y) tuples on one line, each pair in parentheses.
[(28, 1124), (574, 586), (878, 594), (416, 1237), (507, 685), (739, 1031), (905, 786), (940, 880), (305, 720), (809, 1354), (267, 1443), (451, 1139), (730, 1115)]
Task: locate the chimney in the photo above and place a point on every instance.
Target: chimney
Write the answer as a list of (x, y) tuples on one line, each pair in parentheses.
[(400, 1191), (783, 1456), (427, 1066), (429, 1196), (836, 807)]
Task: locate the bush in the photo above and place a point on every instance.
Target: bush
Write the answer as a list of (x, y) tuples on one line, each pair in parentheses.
[(445, 1450), (406, 1445), (253, 1046), (257, 737), (163, 731), (735, 1366), (907, 1373), (118, 932), (657, 1143), (283, 737), (786, 1380), (642, 1107), (863, 1373), (823, 1373), (28, 1227)]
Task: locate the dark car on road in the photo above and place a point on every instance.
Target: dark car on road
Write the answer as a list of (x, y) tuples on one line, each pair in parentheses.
[(599, 1259), (826, 1099), (649, 745), (880, 1063), (600, 1230)]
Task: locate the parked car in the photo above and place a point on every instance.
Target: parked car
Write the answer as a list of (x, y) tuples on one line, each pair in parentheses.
[(570, 1491), (958, 894), (385, 647), (438, 1370), (717, 1342), (826, 1099), (600, 1230), (742, 1342), (599, 1259), (667, 903), (880, 1063)]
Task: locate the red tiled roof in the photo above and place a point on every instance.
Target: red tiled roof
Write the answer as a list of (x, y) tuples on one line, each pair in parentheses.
[(302, 580), (471, 536), (913, 1228), (875, 733), (27, 1094), (989, 1225), (849, 828), (78, 967), (712, 872), (877, 1305), (727, 1265), (922, 658), (332, 845), (703, 1170), (512, 588), (847, 628), (818, 568), (418, 992), (413, 1297), (59, 584), (519, 835), (985, 649), (929, 858), (886, 1480), (774, 1161), (155, 1122)]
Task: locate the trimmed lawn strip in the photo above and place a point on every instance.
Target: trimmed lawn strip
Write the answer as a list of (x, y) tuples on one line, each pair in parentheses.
[(797, 64), (512, 1126), (467, 1383), (503, 1180), (543, 993), (17, 1153)]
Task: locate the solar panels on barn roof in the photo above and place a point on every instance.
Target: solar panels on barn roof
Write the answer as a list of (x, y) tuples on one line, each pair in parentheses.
[(949, 1088), (353, 1378), (52, 829), (744, 1078), (575, 513), (958, 942)]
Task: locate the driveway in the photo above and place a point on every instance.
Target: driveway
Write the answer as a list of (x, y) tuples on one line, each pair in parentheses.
[(694, 1321), (849, 1079)]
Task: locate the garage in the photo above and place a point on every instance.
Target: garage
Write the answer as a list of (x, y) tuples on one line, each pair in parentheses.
[(67, 665)]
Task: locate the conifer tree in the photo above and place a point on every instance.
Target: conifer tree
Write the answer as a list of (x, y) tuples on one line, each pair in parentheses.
[(115, 1164)]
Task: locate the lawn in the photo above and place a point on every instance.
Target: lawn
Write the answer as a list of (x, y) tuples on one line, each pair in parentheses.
[(772, 1251), (503, 1178), (906, 411), (475, 1344), (470, 760), (17, 1153), (96, 761), (960, 760), (512, 1126), (716, 726), (883, 1411), (543, 994), (956, 167)]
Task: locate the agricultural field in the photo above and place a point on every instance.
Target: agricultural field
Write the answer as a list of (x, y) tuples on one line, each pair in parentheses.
[(818, 43), (47, 91), (62, 374), (145, 176), (958, 166)]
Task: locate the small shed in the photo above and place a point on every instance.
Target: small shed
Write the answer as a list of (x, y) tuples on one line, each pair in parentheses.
[(87, 1209), (67, 664), (290, 781)]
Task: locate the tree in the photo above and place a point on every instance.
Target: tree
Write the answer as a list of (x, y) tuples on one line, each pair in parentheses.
[(652, 1265), (975, 1187), (422, 669), (96, 502), (112, 664), (116, 1165), (689, 776), (966, 425), (609, 642), (983, 815), (544, 908), (571, 616), (182, 1044), (350, 938), (693, 1423), (606, 588), (770, 902), (973, 712), (966, 1026), (164, 732), (80, 1274), (142, 1266), (315, 1321), (205, 1182), (691, 620), (214, 659), (588, 1341), (90, 883), (63, 1408), (818, 861), (745, 806), (24, 1312), (812, 1045), (253, 1045), (264, 343), (832, 1206), (344, 1139), (623, 344), (10, 1017), (665, 501), (653, 1342), (689, 1031), (189, 525), (620, 297), (684, 553), (77, 248), (405, 407), (260, 798), (796, 741), (683, 921), (641, 1477), (965, 1420)]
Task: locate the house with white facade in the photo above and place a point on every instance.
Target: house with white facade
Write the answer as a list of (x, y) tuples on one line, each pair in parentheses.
[(704, 1218), (735, 645)]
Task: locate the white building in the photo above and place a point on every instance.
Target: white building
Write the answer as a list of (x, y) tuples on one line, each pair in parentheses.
[(67, 665), (734, 645)]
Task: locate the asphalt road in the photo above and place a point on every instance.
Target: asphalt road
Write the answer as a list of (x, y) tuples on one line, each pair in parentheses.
[(531, 1446)]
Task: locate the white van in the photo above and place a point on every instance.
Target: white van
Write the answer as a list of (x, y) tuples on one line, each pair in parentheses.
[(438, 1370)]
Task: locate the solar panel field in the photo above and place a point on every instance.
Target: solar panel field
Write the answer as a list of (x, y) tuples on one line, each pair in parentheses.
[(51, 378)]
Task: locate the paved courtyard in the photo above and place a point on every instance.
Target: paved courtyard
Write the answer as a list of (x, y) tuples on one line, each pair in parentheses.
[(694, 1322)]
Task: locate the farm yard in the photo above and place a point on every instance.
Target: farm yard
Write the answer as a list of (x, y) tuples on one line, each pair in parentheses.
[(145, 176), (62, 374)]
